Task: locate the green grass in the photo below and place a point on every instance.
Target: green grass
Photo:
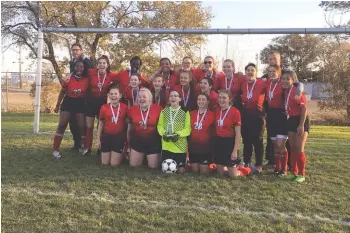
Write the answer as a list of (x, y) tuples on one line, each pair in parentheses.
[(76, 194)]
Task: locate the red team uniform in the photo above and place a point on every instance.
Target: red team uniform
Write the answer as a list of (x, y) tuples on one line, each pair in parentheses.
[(233, 85), (225, 123), (114, 129), (171, 80), (144, 137), (123, 78), (200, 144), (253, 122), (76, 92), (294, 108), (200, 74)]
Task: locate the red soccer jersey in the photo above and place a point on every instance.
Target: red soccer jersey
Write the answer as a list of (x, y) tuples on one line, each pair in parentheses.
[(99, 83), (274, 94), (139, 129), (253, 96), (187, 96), (171, 80), (163, 99), (76, 88), (202, 134), (232, 119), (132, 97), (110, 126), (294, 106), (123, 78), (233, 85)]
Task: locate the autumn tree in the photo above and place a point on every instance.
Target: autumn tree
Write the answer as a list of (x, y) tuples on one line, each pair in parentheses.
[(20, 22)]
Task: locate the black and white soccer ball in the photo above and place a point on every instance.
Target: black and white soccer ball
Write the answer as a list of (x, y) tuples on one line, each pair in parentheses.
[(169, 166)]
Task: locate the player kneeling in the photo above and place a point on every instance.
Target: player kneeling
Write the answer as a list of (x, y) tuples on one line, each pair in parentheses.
[(111, 134), (174, 126), (143, 136)]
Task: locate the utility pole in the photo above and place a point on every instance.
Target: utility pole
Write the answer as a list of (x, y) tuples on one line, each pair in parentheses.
[(160, 48), (20, 66)]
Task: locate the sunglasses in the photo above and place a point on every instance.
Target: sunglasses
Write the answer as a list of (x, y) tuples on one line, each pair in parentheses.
[(208, 62)]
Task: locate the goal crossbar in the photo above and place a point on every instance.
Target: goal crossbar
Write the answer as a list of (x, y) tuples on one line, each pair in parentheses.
[(344, 30)]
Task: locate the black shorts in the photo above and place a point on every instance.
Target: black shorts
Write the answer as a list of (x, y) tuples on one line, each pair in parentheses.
[(293, 123), (115, 143), (148, 146), (253, 127), (93, 106), (73, 105), (204, 159), (179, 158), (223, 151), (276, 123)]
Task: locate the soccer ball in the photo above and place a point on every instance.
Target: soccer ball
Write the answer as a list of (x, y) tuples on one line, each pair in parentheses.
[(169, 166)]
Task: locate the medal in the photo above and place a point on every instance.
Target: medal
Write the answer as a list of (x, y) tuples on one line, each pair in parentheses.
[(271, 92), (198, 124), (172, 120), (114, 118), (144, 119), (135, 98), (183, 96), (100, 84), (228, 87), (168, 82), (221, 120), (286, 103), (250, 93)]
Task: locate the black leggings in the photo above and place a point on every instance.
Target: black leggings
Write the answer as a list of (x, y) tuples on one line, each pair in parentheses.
[(252, 134)]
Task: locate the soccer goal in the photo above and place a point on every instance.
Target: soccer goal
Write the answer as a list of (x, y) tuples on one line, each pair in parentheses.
[(231, 45)]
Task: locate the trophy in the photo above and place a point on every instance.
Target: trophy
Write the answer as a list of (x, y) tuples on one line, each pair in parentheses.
[(169, 131)]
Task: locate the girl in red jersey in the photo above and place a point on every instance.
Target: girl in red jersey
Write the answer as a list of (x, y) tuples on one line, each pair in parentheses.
[(208, 71), (73, 103), (199, 146), (132, 92), (298, 126), (277, 119), (228, 131), (111, 133), (206, 85), (230, 81), (253, 121), (187, 91), (100, 80), (171, 77), (144, 139), (159, 93)]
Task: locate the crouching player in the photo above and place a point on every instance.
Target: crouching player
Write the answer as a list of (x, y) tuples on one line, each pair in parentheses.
[(174, 126), (111, 134)]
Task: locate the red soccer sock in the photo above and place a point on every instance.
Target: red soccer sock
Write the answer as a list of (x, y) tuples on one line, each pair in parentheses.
[(284, 161), (244, 171), (88, 138), (294, 163), (277, 161), (301, 163), (57, 142)]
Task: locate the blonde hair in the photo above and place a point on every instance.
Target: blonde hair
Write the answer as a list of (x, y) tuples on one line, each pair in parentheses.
[(148, 93)]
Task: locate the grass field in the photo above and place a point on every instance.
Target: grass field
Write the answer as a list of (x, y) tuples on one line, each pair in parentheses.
[(76, 194)]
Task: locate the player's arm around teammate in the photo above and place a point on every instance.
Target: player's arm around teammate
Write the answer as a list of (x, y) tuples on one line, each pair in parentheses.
[(174, 126), (200, 141), (111, 133), (228, 135), (73, 104), (298, 126), (144, 138)]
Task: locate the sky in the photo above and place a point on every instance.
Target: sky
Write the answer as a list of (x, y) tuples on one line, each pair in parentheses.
[(235, 14)]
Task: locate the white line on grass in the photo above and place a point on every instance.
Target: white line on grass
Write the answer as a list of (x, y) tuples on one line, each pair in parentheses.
[(215, 208)]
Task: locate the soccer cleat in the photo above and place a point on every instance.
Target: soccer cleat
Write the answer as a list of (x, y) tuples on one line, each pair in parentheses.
[(276, 172), (290, 176), (299, 179), (57, 155), (86, 152), (255, 170), (281, 174)]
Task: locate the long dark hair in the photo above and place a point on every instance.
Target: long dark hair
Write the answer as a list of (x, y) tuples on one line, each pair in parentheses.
[(108, 63)]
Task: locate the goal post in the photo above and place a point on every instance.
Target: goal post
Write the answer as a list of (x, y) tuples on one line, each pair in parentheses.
[(206, 31)]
